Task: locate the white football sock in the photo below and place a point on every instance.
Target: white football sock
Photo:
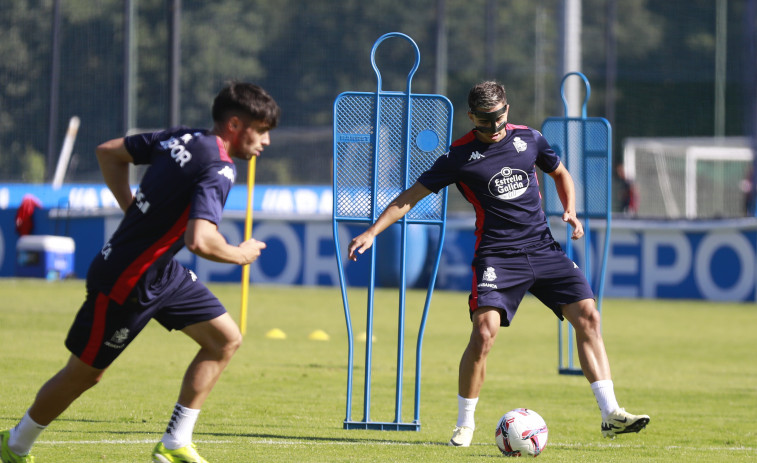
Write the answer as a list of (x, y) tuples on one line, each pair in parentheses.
[(22, 437), (179, 431), (605, 395), (466, 408)]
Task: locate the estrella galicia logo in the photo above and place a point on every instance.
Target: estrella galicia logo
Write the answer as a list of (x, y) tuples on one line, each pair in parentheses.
[(508, 183)]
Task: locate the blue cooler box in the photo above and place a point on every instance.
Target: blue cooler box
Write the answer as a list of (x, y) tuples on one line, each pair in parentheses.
[(45, 256)]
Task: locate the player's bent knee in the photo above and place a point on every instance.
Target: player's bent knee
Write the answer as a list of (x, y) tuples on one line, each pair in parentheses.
[(234, 344), (77, 378), (482, 340), (230, 344)]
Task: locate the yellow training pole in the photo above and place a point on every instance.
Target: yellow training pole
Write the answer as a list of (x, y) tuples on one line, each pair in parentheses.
[(247, 236)]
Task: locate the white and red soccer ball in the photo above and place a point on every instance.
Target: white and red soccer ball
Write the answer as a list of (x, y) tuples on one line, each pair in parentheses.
[(521, 432)]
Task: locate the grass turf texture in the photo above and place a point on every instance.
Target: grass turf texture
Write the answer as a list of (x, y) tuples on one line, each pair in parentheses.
[(689, 364)]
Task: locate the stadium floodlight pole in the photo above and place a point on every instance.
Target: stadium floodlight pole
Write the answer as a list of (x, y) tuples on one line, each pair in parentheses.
[(247, 236)]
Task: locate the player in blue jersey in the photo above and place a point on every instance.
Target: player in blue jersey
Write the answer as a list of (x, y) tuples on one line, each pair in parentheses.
[(494, 167), (135, 277)]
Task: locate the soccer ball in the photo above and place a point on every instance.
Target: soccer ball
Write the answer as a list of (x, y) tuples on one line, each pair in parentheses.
[(521, 432)]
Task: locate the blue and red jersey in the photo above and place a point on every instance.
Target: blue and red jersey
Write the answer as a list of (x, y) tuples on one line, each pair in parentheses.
[(499, 180), (189, 176)]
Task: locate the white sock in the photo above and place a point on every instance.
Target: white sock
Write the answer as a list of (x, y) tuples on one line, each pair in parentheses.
[(22, 437), (605, 395), (466, 408), (179, 431)]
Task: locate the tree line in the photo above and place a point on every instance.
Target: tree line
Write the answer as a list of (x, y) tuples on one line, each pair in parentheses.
[(660, 77)]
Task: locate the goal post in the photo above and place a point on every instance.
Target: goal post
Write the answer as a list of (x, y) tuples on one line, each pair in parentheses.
[(690, 177)]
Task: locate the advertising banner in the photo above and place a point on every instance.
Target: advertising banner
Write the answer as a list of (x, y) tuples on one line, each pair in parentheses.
[(712, 260)]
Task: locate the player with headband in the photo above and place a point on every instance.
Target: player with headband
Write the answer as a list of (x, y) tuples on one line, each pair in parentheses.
[(494, 167)]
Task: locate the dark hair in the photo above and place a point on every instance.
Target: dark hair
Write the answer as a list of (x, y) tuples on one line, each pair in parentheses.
[(238, 98), (486, 95)]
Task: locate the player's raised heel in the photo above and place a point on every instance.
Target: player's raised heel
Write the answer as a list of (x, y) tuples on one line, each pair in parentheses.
[(622, 422), (187, 454), (7, 455), (461, 436)]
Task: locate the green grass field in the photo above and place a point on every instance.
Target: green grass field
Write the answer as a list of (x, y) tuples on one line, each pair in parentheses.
[(690, 365)]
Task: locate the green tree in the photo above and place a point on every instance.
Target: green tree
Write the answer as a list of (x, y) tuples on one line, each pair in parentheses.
[(24, 70)]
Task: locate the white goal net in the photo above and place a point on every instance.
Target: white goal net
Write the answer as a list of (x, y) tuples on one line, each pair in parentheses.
[(689, 178)]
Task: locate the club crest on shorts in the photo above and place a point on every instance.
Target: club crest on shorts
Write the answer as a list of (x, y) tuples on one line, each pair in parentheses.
[(118, 339), (487, 278)]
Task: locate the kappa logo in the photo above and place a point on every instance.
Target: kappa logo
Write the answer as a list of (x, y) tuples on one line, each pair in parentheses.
[(475, 155), (227, 172), (519, 144), (118, 339)]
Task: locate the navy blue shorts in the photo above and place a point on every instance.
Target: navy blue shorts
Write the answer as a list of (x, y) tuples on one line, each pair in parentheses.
[(103, 328), (543, 270)]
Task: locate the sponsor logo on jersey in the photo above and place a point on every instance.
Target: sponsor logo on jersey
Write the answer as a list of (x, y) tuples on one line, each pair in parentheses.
[(141, 202), (227, 172), (519, 144), (508, 183), (475, 155), (179, 152)]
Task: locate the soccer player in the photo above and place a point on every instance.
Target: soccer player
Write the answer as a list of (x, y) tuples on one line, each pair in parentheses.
[(135, 277), (493, 166)]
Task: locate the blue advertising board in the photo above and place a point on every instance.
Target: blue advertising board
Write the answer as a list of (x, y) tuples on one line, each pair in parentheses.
[(713, 260), (648, 259)]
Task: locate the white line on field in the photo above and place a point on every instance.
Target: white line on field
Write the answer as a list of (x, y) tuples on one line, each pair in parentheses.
[(119, 441), (578, 445), (315, 442)]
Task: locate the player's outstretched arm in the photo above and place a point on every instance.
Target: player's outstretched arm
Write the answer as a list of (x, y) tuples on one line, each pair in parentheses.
[(203, 238), (397, 209), (566, 191), (114, 162)]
